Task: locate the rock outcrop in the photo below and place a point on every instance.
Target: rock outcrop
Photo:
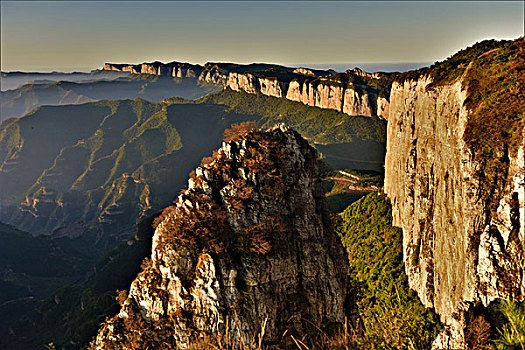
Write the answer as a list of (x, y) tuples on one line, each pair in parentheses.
[(246, 253), (316, 88), (460, 254), (174, 69)]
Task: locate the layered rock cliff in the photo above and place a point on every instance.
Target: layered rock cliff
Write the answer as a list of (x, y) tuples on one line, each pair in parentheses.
[(246, 255), (323, 89), (174, 69), (455, 173)]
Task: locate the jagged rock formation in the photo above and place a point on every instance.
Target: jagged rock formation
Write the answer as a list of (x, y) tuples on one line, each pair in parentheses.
[(462, 218), (316, 88), (249, 245)]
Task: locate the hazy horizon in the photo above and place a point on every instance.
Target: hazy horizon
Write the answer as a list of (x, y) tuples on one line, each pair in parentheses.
[(338, 67), (78, 35)]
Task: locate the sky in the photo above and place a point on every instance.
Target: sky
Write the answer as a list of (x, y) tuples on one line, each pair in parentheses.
[(83, 35)]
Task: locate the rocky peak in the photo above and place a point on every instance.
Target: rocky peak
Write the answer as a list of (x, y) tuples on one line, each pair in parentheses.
[(246, 251), (361, 73), (304, 71)]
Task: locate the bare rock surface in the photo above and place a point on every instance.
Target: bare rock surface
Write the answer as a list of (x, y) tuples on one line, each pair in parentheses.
[(458, 253), (247, 247)]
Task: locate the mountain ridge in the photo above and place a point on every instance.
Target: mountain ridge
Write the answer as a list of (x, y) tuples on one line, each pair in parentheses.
[(20, 101), (353, 92), (124, 156)]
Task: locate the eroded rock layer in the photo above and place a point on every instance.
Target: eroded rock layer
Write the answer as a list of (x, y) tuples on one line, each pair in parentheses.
[(247, 247), (316, 88)]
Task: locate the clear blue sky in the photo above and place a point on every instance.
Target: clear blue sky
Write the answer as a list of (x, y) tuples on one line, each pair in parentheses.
[(65, 35)]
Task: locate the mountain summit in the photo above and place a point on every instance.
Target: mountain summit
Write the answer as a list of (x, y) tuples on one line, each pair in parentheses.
[(246, 255)]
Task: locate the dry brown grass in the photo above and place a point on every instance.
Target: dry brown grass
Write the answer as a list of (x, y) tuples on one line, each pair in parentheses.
[(237, 131), (345, 339), (479, 334)]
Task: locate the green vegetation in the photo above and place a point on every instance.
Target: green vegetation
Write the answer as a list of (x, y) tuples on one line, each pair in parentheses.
[(511, 336), (392, 315), (496, 121), (338, 196), (446, 71), (344, 141), (122, 160), (337, 199), (316, 124), (69, 317), (359, 178)]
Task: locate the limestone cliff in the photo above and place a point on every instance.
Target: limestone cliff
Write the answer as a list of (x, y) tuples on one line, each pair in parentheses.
[(462, 214), (323, 89), (247, 248), (173, 69)]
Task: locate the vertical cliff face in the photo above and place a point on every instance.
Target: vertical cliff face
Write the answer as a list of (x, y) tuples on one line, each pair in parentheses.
[(429, 178), (463, 227), (311, 87), (248, 246)]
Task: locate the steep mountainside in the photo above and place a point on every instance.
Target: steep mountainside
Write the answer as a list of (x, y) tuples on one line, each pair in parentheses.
[(70, 316), (354, 92), (102, 164), (19, 101), (246, 253), (355, 142), (455, 172), (390, 311), (107, 163)]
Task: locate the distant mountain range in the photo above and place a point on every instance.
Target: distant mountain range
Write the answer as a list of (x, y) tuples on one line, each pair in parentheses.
[(13, 80), (387, 67), (21, 100), (353, 92), (108, 163)]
